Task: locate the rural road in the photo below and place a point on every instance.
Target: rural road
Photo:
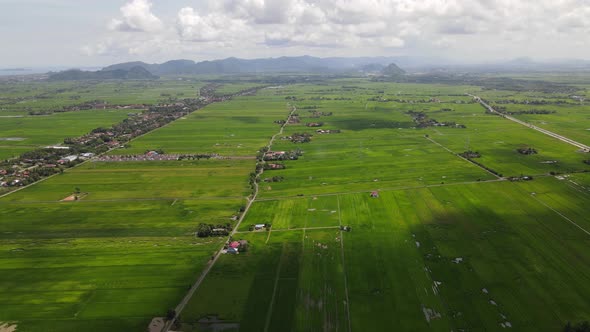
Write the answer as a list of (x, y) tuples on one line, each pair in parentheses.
[(544, 131), (209, 266)]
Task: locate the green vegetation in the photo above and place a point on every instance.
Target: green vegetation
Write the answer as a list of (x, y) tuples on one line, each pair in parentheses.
[(397, 213)]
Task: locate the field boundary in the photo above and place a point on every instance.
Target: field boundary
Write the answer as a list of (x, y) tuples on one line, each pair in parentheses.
[(274, 293), (278, 198), (344, 266), (560, 214)]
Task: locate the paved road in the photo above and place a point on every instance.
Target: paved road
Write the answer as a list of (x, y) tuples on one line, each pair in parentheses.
[(196, 285), (584, 147)]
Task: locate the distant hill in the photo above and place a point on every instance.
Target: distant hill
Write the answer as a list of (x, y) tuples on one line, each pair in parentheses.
[(372, 68), (392, 70), (132, 73), (300, 64)]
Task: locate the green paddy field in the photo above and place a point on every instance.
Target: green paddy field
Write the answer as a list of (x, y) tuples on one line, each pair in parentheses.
[(446, 246)]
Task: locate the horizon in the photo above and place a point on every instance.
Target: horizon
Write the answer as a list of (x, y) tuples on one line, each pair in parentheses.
[(427, 63), (115, 31)]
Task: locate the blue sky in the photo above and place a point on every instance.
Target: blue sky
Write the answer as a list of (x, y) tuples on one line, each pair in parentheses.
[(94, 33)]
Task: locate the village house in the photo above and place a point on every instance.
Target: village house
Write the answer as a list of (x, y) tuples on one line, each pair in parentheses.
[(259, 226), (276, 166), (86, 155), (274, 155), (67, 159), (151, 153)]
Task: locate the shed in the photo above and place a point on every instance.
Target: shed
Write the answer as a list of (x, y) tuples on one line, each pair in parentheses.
[(232, 250), (259, 226), (374, 194)]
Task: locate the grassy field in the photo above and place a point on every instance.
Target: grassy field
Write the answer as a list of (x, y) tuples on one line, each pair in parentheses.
[(446, 245), (30, 132), (120, 255), (238, 128), (125, 252)]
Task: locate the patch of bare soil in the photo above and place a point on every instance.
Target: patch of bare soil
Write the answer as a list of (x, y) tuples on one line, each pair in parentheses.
[(7, 327), (157, 324), (74, 197)]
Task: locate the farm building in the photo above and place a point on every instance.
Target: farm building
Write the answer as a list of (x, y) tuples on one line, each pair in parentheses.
[(234, 244), (67, 159), (274, 155), (259, 226), (231, 250), (276, 166), (152, 153), (87, 155)]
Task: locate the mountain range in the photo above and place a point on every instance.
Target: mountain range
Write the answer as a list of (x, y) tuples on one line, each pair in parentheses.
[(309, 64), (302, 64)]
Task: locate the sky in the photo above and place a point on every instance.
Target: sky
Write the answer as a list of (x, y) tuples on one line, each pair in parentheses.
[(77, 33)]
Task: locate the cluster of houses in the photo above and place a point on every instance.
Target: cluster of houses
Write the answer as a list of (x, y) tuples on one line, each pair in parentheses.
[(149, 156), (30, 169), (281, 155), (235, 247), (275, 155), (578, 98)]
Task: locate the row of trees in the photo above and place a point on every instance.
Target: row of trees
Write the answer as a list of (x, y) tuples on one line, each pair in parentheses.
[(207, 230)]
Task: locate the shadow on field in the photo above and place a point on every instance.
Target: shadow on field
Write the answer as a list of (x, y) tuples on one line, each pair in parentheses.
[(261, 291), (492, 263)]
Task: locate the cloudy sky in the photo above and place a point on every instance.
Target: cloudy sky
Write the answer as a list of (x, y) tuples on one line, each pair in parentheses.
[(88, 33)]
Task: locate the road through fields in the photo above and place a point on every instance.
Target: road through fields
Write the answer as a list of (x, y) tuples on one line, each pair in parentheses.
[(205, 272)]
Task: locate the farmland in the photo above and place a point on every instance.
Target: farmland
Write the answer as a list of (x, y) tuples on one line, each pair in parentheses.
[(448, 243)]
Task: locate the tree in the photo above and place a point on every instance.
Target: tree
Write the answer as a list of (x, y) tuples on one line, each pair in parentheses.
[(170, 314), (203, 230)]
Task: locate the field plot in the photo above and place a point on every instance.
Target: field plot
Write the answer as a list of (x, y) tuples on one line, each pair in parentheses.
[(498, 139), (123, 253), (20, 134), (236, 128), (294, 213), (377, 148), (293, 282), (561, 113), (445, 245), (146, 180), (100, 266), (24, 97), (448, 247)]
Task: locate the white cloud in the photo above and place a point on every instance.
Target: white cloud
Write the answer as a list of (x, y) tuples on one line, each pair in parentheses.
[(211, 27), (219, 28), (137, 16)]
